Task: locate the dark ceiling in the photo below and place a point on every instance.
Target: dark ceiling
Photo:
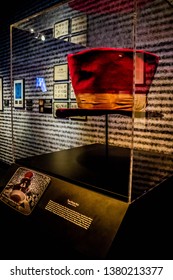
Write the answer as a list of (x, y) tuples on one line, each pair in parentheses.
[(8, 14)]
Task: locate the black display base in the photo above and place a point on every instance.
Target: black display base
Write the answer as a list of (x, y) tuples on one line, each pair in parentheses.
[(118, 230), (106, 169), (91, 166), (144, 229), (84, 219)]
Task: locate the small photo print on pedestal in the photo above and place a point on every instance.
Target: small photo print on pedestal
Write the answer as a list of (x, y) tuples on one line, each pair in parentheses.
[(24, 190)]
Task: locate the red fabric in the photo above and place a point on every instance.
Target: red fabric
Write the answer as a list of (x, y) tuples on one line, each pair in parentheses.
[(108, 70), (28, 174)]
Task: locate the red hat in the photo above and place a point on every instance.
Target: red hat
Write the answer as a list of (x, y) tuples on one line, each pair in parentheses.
[(28, 175), (102, 77)]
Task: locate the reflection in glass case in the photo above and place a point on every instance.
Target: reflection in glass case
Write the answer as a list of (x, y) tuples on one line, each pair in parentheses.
[(121, 80)]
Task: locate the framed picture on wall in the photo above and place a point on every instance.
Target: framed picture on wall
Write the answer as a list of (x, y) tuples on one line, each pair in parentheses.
[(79, 24), (45, 106), (139, 69), (61, 72), (71, 91), (59, 105), (1, 93), (60, 91), (80, 39), (19, 101), (73, 105), (61, 28)]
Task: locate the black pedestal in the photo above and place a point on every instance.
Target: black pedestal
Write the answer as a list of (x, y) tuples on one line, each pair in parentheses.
[(110, 229), (91, 166)]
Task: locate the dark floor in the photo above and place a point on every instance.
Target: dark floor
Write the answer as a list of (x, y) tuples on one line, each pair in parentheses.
[(145, 233)]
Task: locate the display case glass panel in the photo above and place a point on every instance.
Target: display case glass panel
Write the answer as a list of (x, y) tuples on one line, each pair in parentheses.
[(101, 114)]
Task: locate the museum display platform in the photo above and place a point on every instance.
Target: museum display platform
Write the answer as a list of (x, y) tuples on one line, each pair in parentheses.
[(44, 235), (91, 166), (105, 168), (84, 213)]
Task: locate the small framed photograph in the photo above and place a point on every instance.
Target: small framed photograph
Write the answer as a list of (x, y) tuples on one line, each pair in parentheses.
[(45, 106), (79, 24), (24, 190), (29, 104), (1, 94), (19, 101), (59, 105), (79, 118), (139, 69), (80, 39), (60, 91), (72, 93), (74, 105), (61, 72), (61, 28)]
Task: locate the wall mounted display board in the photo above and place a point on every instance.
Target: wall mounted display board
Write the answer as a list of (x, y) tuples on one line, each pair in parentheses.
[(80, 39), (79, 24), (60, 91), (19, 94), (45, 106), (60, 72), (61, 28), (72, 94)]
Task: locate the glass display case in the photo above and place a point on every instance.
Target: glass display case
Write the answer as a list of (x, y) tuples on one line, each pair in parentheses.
[(121, 50), (91, 85)]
